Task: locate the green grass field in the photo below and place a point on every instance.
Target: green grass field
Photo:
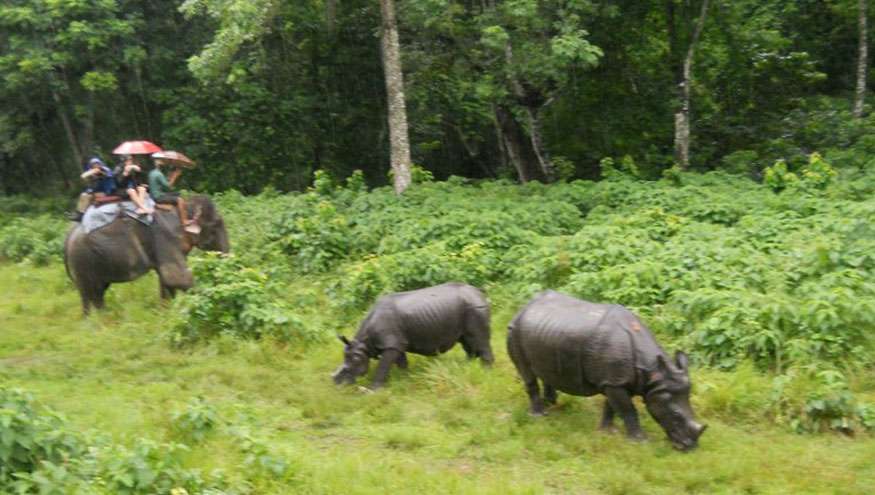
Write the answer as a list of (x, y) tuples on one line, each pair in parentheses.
[(445, 426)]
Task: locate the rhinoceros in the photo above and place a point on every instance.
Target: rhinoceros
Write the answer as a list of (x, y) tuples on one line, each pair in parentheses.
[(425, 321), (584, 348)]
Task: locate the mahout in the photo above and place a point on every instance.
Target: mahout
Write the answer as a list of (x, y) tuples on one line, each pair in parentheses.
[(126, 249), (584, 348), (427, 321)]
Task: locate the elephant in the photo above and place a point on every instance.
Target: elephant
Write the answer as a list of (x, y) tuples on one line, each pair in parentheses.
[(126, 249)]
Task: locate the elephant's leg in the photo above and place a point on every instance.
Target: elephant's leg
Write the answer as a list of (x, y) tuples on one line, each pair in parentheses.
[(607, 423), (621, 403), (86, 302), (99, 294), (550, 394)]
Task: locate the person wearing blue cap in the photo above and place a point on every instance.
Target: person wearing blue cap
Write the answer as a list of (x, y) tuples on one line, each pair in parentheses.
[(100, 183)]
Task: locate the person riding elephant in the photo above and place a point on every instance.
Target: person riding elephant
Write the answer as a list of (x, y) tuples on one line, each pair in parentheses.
[(127, 175), (161, 190), (126, 249), (100, 183)]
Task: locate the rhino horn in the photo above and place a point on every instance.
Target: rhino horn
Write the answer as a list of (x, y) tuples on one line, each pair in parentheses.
[(343, 339)]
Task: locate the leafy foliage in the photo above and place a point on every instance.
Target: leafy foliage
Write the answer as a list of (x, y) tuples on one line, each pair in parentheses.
[(35, 239), (233, 299), (41, 454)]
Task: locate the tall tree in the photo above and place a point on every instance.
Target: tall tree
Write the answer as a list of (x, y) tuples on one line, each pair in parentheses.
[(514, 58), (862, 62), (398, 135), (684, 79)]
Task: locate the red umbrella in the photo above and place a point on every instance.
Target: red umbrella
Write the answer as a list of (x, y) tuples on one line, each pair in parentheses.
[(174, 157), (136, 148)]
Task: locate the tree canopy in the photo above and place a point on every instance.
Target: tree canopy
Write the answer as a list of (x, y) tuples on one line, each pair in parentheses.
[(265, 92)]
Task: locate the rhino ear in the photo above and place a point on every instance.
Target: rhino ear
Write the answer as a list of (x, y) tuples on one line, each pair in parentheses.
[(662, 364), (344, 340), (682, 361)]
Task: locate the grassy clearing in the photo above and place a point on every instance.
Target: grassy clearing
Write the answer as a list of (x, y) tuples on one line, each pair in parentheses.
[(445, 426)]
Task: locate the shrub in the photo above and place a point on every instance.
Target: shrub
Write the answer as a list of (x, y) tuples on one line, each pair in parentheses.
[(233, 299), (316, 235), (29, 438), (196, 421), (40, 454), (35, 239), (778, 177)]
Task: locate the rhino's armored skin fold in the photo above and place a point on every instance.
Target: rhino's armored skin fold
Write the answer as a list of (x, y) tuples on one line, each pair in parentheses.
[(584, 348), (427, 321)]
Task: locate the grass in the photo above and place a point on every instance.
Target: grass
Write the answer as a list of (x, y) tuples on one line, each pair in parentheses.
[(445, 426)]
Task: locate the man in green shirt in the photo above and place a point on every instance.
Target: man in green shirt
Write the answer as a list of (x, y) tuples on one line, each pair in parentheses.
[(161, 191)]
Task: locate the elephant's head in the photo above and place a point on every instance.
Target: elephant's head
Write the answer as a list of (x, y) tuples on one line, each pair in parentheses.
[(170, 253), (213, 235)]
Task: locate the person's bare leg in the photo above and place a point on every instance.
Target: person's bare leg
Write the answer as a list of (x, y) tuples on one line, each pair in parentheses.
[(135, 197), (141, 190), (190, 225)]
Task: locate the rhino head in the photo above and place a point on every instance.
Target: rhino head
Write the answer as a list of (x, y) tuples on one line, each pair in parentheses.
[(355, 362), (668, 401)]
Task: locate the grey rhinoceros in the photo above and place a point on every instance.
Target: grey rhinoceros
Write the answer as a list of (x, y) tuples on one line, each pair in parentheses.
[(425, 321), (583, 348)]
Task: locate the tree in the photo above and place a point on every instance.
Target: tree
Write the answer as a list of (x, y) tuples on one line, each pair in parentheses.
[(862, 65), (683, 71), (513, 58), (60, 60), (396, 107)]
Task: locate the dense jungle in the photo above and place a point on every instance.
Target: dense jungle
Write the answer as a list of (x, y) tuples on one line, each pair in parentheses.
[(708, 164)]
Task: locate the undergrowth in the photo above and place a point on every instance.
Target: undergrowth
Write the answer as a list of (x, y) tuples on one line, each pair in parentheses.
[(768, 286)]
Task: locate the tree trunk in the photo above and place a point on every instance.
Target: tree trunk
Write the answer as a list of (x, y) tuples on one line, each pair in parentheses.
[(537, 142), (862, 62), (682, 115), (398, 136), (331, 15), (518, 146), (68, 129)]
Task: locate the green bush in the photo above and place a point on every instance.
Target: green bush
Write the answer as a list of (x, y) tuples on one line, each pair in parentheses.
[(29, 437), (233, 299), (35, 239), (39, 453), (196, 421)]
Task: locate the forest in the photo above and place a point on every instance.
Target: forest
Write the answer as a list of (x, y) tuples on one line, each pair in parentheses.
[(265, 92), (706, 164)]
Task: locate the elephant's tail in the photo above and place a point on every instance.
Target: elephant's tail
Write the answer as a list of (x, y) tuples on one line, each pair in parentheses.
[(67, 252)]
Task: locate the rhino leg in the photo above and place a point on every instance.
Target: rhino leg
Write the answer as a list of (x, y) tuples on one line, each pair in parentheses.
[(621, 403), (476, 333), (402, 361), (607, 423), (550, 394), (387, 359), (536, 405)]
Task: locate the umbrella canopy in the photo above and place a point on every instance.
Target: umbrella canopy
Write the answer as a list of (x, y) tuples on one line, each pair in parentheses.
[(174, 157), (136, 148)]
